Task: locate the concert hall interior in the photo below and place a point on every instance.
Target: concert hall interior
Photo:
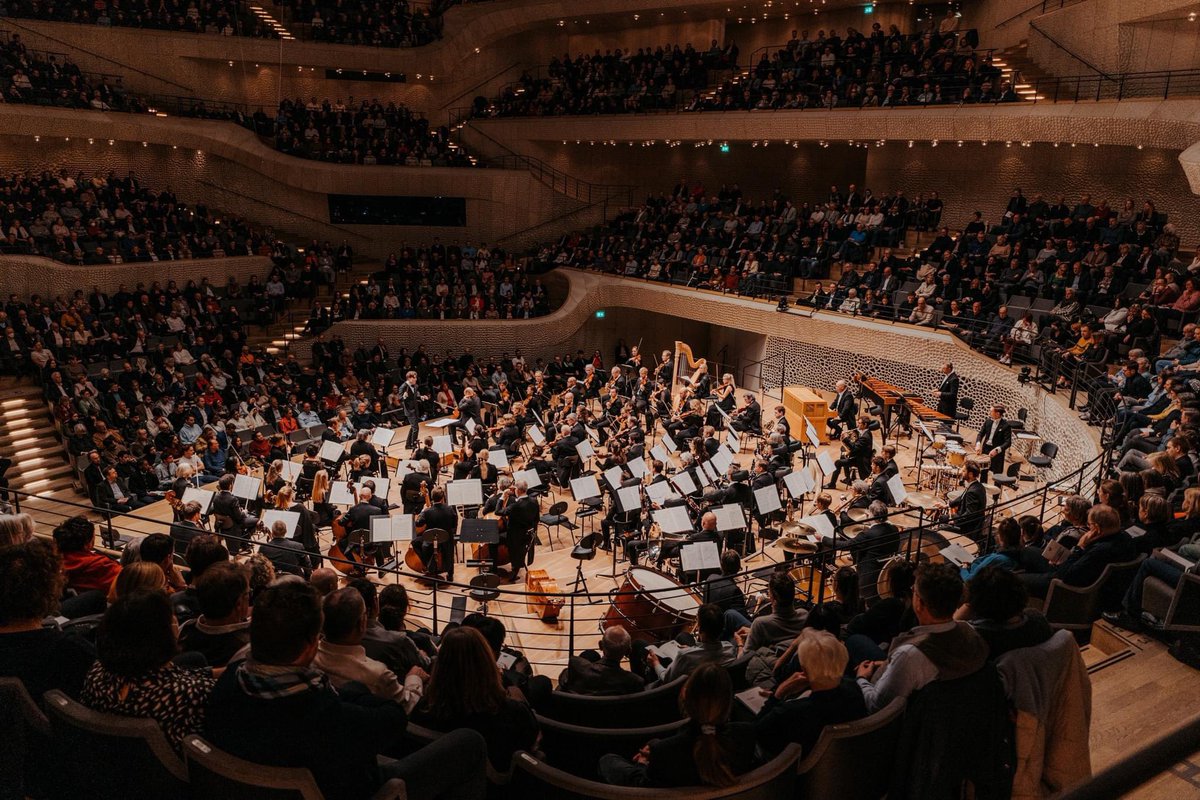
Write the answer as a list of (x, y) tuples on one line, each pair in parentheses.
[(471, 399)]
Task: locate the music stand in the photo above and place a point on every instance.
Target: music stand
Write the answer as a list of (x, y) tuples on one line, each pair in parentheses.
[(480, 531), (584, 551)]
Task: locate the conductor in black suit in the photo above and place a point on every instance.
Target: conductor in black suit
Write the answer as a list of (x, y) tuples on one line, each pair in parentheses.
[(969, 506), (439, 515), (844, 406), (947, 392), (522, 515), (410, 403), (995, 437)]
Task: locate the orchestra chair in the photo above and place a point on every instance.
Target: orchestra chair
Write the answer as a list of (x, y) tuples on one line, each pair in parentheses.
[(585, 550), (557, 519), (27, 765), (483, 589), (656, 706), (775, 780), (1176, 607), (110, 757), (1044, 459), (217, 775), (575, 749), (963, 413), (1075, 608), (835, 766), (1009, 479), (588, 509)]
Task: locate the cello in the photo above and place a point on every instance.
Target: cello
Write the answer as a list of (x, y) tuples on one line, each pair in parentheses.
[(412, 559), (483, 552), (347, 557)]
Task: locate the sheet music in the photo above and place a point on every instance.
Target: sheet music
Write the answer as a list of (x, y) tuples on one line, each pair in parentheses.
[(684, 483), (289, 518), (339, 494), (403, 467), (710, 471), (530, 476), (721, 462), (660, 454), (825, 463), (398, 528), (767, 499), (921, 427), (895, 486), (246, 487), (382, 437), (331, 451), (471, 426), (585, 451), (629, 498), (498, 458), (290, 472), (443, 445), (753, 699), (699, 556), (956, 554), (798, 483), (536, 435), (814, 438), (382, 486), (637, 467), (585, 487), (669, 443), (731, 445), (467, 492), (820, 523), (614, 475), (660, 492), (701, 476), (202, 496), (730, 517), (593, 434), (673, 520), (441, 423)]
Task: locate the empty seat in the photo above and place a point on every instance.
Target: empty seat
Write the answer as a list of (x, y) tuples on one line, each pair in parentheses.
[(26, 758), (836, 765), (576, 749), (656, 706)]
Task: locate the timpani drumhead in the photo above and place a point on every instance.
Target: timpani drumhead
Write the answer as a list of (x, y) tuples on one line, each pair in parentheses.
[(660, 586)]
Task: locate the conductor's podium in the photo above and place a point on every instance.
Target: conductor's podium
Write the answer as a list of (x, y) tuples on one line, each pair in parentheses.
[(801, 403)]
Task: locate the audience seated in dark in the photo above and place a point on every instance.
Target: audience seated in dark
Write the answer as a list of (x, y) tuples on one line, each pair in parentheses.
[(223, 17), (996, 608), (601, 673), (50, 79), (223, 628), (373, 24)]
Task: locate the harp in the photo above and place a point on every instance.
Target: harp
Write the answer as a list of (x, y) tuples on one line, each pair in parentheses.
[(687, 368)]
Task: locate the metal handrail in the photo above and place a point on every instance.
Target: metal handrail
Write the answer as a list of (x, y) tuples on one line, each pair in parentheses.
[(1034, 27), (1140, 766), (1044, 5)]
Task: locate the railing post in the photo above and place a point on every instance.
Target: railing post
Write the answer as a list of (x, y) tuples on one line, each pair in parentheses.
[(16, 496), (435, 608), (571, 626), (1167, 86), (1045, 493)]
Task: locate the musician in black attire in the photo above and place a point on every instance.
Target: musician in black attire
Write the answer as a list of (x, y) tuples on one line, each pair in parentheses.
[(995, 437), (438, 515), (565, 454), (468, 409), (522, 515), (749, 418), (707, 533), (430, 456), (872, 548), (857, 450), (723, 590), (363, 447), (224, 504), (844, 406), (947, 392), (969, 506), (878, 490), (410, 489), (358, 517)]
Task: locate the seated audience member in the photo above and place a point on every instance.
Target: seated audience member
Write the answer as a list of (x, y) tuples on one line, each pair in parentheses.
[(286, 555), (136, 576), (1007, 553), (341, 655), (188, 527), (723, 590), (996, 608), (134, 675), (157, 548), (465, 691), (784, 621), (393, 608), (223, 628), (709, 751), (324, 580), (938, 649), (86, 570), (602, 674), (889, 616), (395, 649), (202, 553), (1163, 567), (818, 694), (710, 624), (15, 529), (515, 670), (1103, 543), (42, 657), (275, 709)]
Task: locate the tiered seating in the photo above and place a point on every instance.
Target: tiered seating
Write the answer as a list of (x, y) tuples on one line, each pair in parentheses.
[(53, 80), (374, 24), (223, 17)]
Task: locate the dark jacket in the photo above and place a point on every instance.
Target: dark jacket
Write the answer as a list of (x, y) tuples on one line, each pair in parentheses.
[(601, 677), (672, 762), (802, 719), (1085, 565)]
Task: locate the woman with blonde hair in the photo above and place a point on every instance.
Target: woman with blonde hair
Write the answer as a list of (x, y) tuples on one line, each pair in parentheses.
[(138, 575), (320, 499), (709, 751), (15, 529)]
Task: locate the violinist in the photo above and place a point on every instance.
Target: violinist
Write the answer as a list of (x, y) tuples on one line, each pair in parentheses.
[(565, 454), (464, 463), (724, 398), (687, 422), (613, 402), (312, 464), (749, 416), (468, 408), (499, 498), (591, 384), (484, 472), (358, 516), (711, 445), (522, 513), (665, 371), (438, 515), (320, 499), (410, 487), (306, 531), (617, 381), (362, 447), (509, 435), (635, 358), (430, 456), (360, 468), (781, 421)]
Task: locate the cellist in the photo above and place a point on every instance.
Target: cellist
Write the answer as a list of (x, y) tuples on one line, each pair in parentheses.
[(438, 515)]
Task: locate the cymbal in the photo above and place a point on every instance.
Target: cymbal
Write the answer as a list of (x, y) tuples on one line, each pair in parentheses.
[(792, 544), (796, 529), (858, 514), (906, 519), (850, 531), (921, 500)]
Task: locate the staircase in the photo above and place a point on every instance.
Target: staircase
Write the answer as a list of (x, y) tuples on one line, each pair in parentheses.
[(28, 437), (1016, 66), (277, 337)]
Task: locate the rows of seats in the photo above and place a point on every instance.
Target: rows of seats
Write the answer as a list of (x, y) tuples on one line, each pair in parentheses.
[(218, 17), (47, 79)]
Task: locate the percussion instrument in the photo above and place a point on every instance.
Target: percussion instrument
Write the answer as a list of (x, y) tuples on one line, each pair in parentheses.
[(923, 500), (883, 584), (939, 442), (652, 606), (796, 545), (956, 457), (858, 514), (791, 529), (982, 461), (850, 531)]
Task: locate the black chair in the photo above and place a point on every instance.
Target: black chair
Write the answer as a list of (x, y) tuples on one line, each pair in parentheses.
[(964, 413), (483, 589), (217, 775), (26, 760), (556, 519), (836, 765), (774, 780), (1045, 457), (109, 757), (656, 706), (1010, 477), (737, 672), (584, 551), (576, 748)]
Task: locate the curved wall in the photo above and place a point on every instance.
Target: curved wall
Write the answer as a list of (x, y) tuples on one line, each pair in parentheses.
[(27, 275), (812, 351)]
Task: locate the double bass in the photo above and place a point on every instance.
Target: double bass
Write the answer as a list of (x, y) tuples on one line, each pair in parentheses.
[(347, 557), (412, 559)]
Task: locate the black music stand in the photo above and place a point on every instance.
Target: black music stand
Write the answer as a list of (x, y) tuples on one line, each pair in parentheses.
[(584, 551), (617, 530), (480, 531)]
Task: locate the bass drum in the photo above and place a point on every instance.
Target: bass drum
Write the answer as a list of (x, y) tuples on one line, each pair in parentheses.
[(652, 606)]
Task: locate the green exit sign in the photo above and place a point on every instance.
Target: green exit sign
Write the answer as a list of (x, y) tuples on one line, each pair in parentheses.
[(600, 314)]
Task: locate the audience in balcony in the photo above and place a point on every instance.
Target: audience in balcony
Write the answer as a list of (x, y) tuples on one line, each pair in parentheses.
[(224, 17), (375, 24), (51, 79), (108, 219), (360, 132), (615, 82)]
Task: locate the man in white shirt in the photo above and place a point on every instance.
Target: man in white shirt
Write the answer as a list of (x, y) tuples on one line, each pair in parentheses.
[(307, 417), (341, 656)]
